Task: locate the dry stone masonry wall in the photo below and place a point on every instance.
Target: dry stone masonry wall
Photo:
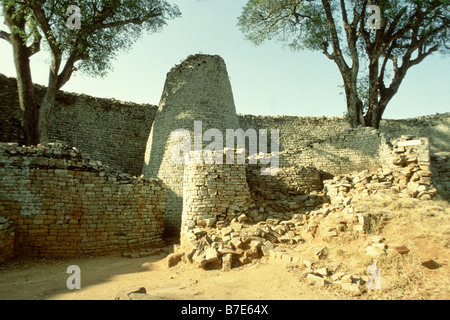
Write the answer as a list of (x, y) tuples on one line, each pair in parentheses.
[(350, 151), (440, 168), (7, 235), (108, 130), (214, 194), (407, 174), (61, 204), (198, 89)]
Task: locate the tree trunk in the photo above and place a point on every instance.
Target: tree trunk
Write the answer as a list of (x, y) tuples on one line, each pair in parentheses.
[(354, 103), (25, 87), (373, 114), (27, 98), (49, 98)]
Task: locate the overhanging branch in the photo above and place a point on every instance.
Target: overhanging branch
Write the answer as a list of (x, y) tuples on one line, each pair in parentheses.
[(5, 36)]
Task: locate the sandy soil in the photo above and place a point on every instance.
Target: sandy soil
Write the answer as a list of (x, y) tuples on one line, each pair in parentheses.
[(103, 277)]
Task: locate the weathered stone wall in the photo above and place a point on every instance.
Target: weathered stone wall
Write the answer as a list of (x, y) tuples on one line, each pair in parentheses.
[(108, 130), (63, 204), (214, 194), (10, 113), (198, 89), (297, 132), (7, 234), (351, 150), (440, 167), (407, 175), (288, 180)]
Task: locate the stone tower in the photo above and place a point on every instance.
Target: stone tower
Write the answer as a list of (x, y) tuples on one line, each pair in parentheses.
[(198, 89)]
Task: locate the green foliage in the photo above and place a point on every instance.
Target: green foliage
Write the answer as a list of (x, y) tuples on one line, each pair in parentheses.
[(410, 30), (107, 27), (300, 24)]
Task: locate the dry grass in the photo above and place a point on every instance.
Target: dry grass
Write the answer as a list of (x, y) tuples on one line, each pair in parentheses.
[(421, 226)]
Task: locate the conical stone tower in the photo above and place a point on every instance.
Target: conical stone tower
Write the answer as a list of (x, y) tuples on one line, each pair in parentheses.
[(198, 89)]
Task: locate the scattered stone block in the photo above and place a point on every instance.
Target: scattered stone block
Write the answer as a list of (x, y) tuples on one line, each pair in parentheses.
[(322, 272), (211, 255), (315, 280), (242, 218), (347, 278), (337, 276), (376, 249), (236, 242), (322, 253), (174, 258), (226, 231), (227, 261), (133, 293), (266, 247), (351, 287)]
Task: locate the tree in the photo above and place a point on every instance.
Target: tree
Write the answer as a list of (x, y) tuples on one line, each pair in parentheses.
[(105, 27), (409, 31)]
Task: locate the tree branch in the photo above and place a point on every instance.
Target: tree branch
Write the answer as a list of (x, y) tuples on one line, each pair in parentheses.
[(39, 15), (5, 36), (350, 33), (337, 54), (325, 50)]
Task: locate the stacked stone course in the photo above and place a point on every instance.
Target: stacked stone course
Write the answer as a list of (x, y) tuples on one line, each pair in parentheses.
[(7, 234), (198, 89), (214, 194), (64, 205), (350, 151), (440, 168), (107, 130)]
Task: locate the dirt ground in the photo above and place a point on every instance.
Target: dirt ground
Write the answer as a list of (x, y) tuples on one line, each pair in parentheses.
[(103, 277), (422, 227)]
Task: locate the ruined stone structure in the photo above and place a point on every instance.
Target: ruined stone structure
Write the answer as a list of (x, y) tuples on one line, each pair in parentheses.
[(56, 203), (196, 90), (214, 194), (82, 195), (107, 130)]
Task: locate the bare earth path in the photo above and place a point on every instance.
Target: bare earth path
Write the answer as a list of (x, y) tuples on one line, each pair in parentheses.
[(103, 277)]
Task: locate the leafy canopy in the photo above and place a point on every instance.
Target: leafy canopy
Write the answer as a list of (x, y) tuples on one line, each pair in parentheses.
[(107, 26)]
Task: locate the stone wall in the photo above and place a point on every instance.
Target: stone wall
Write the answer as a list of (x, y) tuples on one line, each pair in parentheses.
[(351, 150), (63, 204), (298, 132), (295, 132), (288, 180), (214, 194), (7, 234), (440, 167), (108, 130), (408, 175)]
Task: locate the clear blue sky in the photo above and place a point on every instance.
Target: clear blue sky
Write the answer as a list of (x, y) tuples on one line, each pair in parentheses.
[(266, 80)]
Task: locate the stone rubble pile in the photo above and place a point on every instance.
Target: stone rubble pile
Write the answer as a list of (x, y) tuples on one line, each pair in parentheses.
[(237, 243), (288, 217), (409, 176), (317, 271)]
